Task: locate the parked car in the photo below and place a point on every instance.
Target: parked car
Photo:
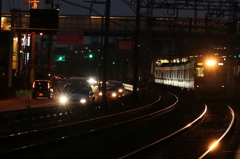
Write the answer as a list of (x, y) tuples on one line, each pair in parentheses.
[(42, 88), (74, 93)]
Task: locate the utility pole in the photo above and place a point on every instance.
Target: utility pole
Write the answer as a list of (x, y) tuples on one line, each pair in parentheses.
[(136, 56), (105, 53), (0, 15), (10, 57), (50, 50)]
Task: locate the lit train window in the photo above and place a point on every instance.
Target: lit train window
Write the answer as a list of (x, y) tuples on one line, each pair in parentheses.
[(199, 72)]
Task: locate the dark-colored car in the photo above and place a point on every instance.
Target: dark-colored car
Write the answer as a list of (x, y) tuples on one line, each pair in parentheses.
[(42, 88), (76, 94), (119, 85)]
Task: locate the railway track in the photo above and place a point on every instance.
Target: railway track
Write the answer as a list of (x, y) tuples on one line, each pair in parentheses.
[(203, 141), (32, 138), (134, 133)]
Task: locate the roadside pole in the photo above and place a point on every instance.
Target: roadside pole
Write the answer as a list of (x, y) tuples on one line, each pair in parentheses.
[(136, 57), (10, 57), (105, 53)]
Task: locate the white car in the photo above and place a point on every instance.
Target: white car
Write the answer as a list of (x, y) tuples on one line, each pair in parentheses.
[(73, 94)]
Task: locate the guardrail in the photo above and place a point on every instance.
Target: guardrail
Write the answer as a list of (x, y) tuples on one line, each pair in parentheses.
[(128, 86)]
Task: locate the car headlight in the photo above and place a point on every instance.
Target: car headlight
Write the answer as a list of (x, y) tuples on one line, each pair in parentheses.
[(92, 81), (114, 94), (83, 101), (120, 90), (63, 99)]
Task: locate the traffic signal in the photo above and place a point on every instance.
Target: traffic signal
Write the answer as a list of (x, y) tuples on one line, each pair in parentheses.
[(90, 56), (59, 57)]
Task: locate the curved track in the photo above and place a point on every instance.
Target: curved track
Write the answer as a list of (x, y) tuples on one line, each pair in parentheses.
[(144, 132)]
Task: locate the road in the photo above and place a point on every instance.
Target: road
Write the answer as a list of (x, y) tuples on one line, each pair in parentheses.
[(25, 101)]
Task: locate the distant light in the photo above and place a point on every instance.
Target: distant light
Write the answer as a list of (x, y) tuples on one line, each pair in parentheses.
[(210, 62), (41, 34), (221, 64), (76, 52), (113, 63), (90, 56), (199, 64)]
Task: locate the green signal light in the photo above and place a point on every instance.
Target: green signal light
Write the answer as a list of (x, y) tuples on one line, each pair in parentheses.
[(90, 56), (60, 57)]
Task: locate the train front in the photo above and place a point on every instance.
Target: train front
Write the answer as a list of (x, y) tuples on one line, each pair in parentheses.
[(210, 78)]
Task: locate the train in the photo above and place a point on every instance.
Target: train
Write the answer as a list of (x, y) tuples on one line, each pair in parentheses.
[(205, 77)]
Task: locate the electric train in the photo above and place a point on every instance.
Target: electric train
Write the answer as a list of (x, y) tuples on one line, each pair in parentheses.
[(205, 77)]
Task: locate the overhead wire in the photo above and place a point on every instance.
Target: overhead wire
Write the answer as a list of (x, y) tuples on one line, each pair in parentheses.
[(9, 5)]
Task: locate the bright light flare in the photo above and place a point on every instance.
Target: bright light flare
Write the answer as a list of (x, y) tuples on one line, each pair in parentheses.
[(213, 145), (211, 63), (63, 99), (114, 94), (83, 101), (92, 81)]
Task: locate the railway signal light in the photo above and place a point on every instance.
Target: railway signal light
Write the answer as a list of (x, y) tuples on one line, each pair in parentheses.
[(60, 57), (90, 56)]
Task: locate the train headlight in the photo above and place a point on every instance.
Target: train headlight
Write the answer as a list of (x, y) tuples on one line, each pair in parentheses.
[(83, 101), (63, 100), (211, 63)]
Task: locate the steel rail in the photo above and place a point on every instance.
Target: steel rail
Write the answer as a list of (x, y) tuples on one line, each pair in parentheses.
[(85, 121), (168, 136), (91, 130), (223, 135)]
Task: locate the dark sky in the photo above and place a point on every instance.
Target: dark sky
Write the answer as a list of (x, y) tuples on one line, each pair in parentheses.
[(118, 8)]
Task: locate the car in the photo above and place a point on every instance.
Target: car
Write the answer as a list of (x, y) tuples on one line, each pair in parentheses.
[(76, 94), (111, 91), (42, 88), (119, 84)]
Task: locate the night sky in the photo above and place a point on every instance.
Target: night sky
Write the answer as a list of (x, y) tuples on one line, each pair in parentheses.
[(118, 8)]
